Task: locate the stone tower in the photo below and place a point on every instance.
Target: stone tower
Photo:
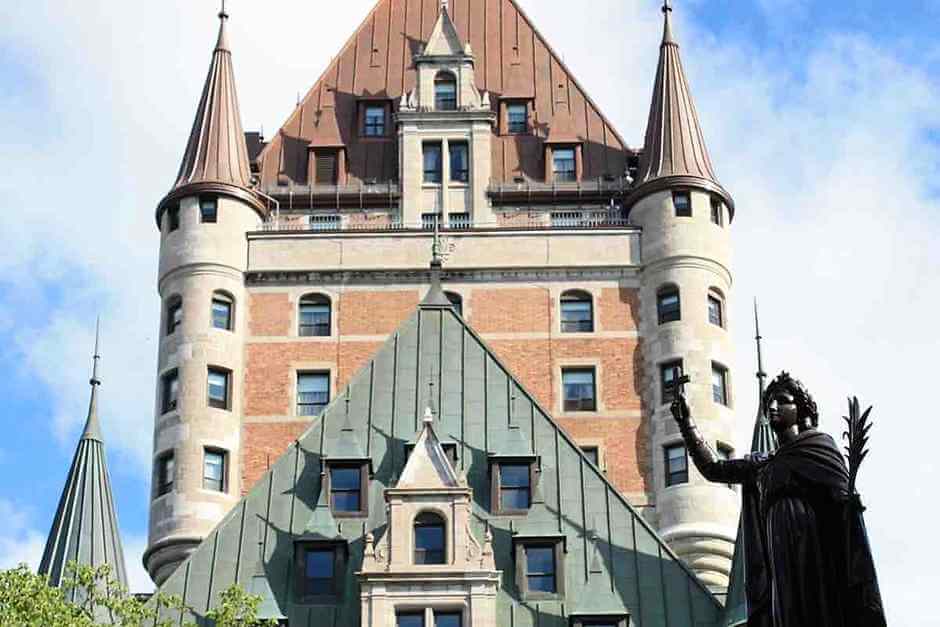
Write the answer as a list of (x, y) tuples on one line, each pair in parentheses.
[(685, 291), (203, 252)]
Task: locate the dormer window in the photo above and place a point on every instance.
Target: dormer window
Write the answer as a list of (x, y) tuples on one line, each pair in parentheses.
[(564, 165), (374, 121), (349, 488), (512, 487), (429, 539), (517, 118), (445, 92)]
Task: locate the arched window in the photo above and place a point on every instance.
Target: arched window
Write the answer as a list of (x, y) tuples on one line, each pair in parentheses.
[(577, 312), (315, 316), (456, 300), (174, 313), (223, 311), (668, 305), (445, 92), (429, 539)]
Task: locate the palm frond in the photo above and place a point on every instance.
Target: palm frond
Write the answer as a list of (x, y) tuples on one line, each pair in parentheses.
[(858, 426)]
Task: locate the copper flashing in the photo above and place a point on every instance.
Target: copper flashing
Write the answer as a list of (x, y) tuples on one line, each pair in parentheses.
[(674, 152)]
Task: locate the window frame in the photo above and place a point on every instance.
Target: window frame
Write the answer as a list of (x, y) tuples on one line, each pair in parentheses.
[(680, 477), (436, 176), (329, 395), (382, 129), (440, 612), (725, 388), (224, 463), (568, 176), (223, 298), (714, 298), (667, 388), (166, 385), (442, 523), (363, 467), (205, 216), (558, 544), (340, 559), (410, 613), (441, 78), (324, 154), (684, 212), (570, 409), (214, 402), (717, 210), (173, 217), (315, 299), (664, 314), (174, 305), (576, 296), (513, 128), (165, 473), (465, 145), (496, 464)]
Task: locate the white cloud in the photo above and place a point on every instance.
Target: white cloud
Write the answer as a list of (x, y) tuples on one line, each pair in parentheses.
[(137, 578), (20, 543)]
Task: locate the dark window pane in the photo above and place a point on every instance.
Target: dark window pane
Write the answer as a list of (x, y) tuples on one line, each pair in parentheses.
[(448, 619), (714, 311), (429, 539), (683, 204), (517, 115), (375, 121), (578, 389), (345, 478), (313, 393), (668, 375), (669, 305), (514, 487), (445, 93), (165, 475), (314, 318), (563, 160), (221, 314), (409, 619), (459, 162), (719, 385), (677, 466), (432, 163), (540, 568), (577, 315), (592, 453), (717, 211), (513, 499), (173, 217), (541, 583), (213, 471), (218, 389), (514, 475), (346, 501), (345, 488), (325, 172), (209, 209)]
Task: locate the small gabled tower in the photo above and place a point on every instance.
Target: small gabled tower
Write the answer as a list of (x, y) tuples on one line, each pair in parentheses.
[(85, 529), (445, 131), (685, 293), (203, 252)]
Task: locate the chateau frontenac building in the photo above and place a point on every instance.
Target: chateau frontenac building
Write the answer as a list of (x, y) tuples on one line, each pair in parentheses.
[(364, 441)]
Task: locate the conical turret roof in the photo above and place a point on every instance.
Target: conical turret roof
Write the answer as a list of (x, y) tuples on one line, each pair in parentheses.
[(216, 156), (85, 528), (674, 153)]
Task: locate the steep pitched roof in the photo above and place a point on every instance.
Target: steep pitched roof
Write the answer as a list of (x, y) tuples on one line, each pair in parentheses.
[(427, 466), (444, 39), (511, 59), (478, 402), (85, 528), (216, 155), (763, 441), (674, 151)]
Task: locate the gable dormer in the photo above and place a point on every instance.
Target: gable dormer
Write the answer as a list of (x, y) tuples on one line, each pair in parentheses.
[(445, 66)]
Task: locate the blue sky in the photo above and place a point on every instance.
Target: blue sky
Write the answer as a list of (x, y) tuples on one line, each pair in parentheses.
[(823, 120)]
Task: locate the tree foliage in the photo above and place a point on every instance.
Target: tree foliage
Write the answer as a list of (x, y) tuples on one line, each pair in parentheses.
[(91, 597)]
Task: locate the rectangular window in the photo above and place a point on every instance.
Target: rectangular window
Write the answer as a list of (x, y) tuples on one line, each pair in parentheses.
[(218, 388), (669, 373), (592, 453), (174, 316), (682, 201), (540, 569), (346, 489), (173, 217), (515, 481), (213, 470), (313, 393), (677, 465), (222, 314), (165, 474), (314, 317), (715, 314), (413, 618), (447, 619), (517, 114), (578, 384), (459, 162), (171, 384), (459, 221), (668, 305), (717, 211), (719, 384), (325, 172), (432, 163), (564, 165), (374, 122), (208, 209), (319, 572), (577, 315)]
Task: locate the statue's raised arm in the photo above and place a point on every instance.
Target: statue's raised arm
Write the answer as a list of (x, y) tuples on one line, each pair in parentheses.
[(712, 467)]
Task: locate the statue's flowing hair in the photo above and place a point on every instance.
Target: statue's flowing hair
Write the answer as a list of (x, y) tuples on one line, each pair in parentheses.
[(806, 406)]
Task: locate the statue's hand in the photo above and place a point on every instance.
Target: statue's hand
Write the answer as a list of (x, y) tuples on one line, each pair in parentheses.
[(680, 409)]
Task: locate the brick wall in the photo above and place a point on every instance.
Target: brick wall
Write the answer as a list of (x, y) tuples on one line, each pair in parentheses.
[(263, 444)]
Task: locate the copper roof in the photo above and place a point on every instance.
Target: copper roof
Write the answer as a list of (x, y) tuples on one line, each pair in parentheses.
[(511, 59), (674, 151), (216, 156), (85, 528)]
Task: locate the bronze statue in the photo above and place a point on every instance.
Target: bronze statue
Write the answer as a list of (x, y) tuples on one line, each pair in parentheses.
[(807, 558)]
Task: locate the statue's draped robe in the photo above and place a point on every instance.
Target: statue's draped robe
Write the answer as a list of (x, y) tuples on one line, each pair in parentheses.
[(807, 558)]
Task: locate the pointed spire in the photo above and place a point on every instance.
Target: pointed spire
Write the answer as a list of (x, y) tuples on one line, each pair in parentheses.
[(764, 440), (85, 528), (435, 296), (674, 152)]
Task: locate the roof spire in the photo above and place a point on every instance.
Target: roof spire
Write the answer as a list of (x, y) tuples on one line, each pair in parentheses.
[(761, 375), (667, 23), (92, 426), (435, 295), (764, 440)]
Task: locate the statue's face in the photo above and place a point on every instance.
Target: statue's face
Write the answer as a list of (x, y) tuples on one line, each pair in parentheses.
[(782, 411)]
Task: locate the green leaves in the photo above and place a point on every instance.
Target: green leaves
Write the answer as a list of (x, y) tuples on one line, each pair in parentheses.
[(91, 597)]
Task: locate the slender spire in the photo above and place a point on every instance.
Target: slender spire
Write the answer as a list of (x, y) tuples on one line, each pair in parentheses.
[(764, 440), (85, 528), (761, 375), (435, 296), (675, 151)]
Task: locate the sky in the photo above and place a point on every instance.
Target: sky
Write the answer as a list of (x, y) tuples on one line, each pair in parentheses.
[(823, 120)]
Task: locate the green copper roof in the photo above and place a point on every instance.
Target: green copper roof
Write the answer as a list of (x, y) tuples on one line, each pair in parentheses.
[(85, 528), (610, 551)]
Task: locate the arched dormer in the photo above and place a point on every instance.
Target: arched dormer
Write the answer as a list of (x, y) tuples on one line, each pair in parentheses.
[(430, 538)]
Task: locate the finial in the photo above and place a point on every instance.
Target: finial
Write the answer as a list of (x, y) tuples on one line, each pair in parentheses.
[(667, 26), (444, 6), (428, 416), (435, 295), (223, 15), (94, 369), (436, 242), (667, 7)]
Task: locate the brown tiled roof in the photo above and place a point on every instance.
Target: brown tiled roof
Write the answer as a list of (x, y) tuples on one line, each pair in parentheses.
[(674, 152), (511, 60)]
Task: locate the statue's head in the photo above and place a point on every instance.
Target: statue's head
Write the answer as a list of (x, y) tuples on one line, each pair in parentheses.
[(788, 401)]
